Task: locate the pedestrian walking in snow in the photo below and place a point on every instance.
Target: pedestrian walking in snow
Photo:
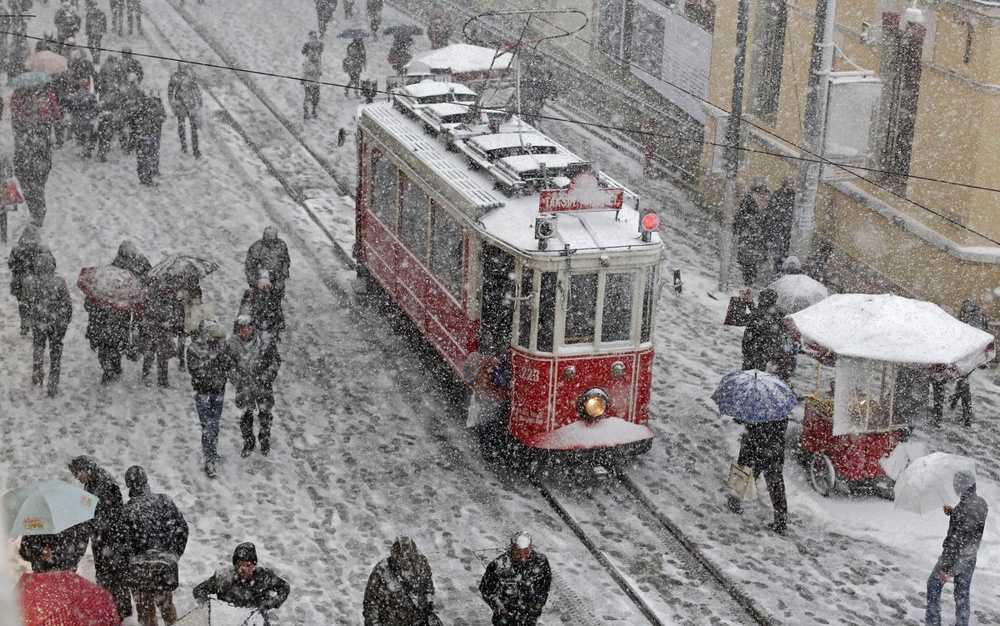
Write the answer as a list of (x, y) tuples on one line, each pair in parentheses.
[(245, 584), (159, 535), (133, 102), (400, 590), (439, 28), (95, 27), (117, 16), (109, 531), (131, 65), (210, 360), (83, 107), (60, 551), (67, 22), (374, 9), (257, 363), (161, 323), (516, 584), (148, 131), (750, 228), (958, 555), (34, 113), (312, 73), (399, 52), (780, 209), (184, 96), (50, 311), (21, 262), (109, 115), (355, 62), (762, 449), (971, 314), (765, 338), (266, 269), (324, 13), (134, 10), (109, 333)]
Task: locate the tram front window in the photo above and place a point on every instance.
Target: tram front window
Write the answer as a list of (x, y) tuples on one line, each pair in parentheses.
[(616, 323), (581, 309)]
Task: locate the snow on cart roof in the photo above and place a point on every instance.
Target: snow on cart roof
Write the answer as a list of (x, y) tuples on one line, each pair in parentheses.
[(460, 58), (891, 329)]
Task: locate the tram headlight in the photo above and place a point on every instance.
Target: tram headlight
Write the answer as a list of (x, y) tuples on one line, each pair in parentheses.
[(593, 404)]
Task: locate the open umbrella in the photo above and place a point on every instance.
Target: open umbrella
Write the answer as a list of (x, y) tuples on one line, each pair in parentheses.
[(182, 266), (111, 287), (29, 79), (354, 33), (798, 291), (45, 508), (927, 484), (217, 613), (65, 598), (403, 30), (754, 397), (46, 61)]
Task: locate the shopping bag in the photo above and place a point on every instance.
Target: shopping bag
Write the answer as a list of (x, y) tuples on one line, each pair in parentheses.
[(739, 311), (195, 313), (741, 482), (12, 194), (152, 571)]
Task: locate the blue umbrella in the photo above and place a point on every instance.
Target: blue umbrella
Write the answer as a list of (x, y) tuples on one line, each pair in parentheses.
[(29, 79), (754, 397)]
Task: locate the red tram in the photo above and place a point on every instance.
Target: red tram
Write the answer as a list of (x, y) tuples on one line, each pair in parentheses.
[(534, 275)]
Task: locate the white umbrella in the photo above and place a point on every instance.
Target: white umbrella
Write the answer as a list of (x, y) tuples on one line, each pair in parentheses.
[(218, 613), (926, 485), (798, 291), (45, 508)]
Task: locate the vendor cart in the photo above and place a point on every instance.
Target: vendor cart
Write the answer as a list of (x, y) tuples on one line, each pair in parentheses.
[(853, 421)]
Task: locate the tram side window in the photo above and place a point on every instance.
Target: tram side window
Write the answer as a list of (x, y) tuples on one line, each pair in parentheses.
[(384, 197), (582, 309), (616, 323), (415, 226), (649, 292), (526, 301), (547, 311), (447, 249)]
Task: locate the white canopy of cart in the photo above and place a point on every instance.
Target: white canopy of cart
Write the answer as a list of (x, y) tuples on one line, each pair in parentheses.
[(892, 329), (461, 59)]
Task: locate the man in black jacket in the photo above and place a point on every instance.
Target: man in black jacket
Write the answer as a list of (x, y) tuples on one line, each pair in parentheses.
[(516, 584), (158, 527), (762, 449), (210, 360), (958, 556), (245, 584), (257, 363), (50, 311)]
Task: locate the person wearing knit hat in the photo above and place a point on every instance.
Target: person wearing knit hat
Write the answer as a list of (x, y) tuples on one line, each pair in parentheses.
[(245, 583), (210, 360), (516, 584), (266, 270)]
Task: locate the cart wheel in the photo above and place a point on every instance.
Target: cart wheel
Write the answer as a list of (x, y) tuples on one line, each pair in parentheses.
[(821, 474)]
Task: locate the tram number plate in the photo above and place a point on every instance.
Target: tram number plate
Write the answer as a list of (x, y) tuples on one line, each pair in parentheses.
[(530, 374)]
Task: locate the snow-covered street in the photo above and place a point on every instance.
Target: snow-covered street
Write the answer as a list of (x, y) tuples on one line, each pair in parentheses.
[(367, 443)]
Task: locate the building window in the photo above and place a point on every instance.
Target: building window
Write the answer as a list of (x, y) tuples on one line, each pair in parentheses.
[(447, 251), (768, 51), (902, 44), (384, 192), (414, 228)]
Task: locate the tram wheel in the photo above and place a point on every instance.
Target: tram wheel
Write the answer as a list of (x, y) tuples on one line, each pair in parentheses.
[(821, 474)]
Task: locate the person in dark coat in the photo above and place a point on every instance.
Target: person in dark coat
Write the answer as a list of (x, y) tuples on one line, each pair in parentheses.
[(958, 555), (762, 449), (117, 16), (130, 259), (59, 551), (67, 22), (764, 339), (374, 9), (400, 590), (439, 28), (971, 314), (22, 264), (184, 96), (110, 536), (399, 52), (95, 27), (269, 253), (245, 584), (109, 334), (131, 65), (324, 13), (83, 105), (257, 363), (516, 584), (146, 134), (134, 10), (750, 229), (50, 311), (161, 323), (312, 73), (34, 113), (210, 359), (780, 210), (158, 526), (355, 62)]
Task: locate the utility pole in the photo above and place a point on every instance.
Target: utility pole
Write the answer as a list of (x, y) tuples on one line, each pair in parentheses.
[(731, 157), (813, 127)]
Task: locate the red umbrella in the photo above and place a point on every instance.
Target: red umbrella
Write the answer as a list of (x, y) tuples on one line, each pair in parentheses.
[(65, 599), (111, 287)]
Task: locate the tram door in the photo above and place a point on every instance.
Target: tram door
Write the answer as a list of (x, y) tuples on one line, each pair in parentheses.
[(497, 321)]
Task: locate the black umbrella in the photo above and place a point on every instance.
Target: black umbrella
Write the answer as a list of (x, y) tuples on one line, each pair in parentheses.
[(404, 30), (354, 33), (182, 267)]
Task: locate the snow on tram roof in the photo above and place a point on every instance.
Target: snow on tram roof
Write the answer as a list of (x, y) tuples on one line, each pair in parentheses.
[(430, 89), (503, 141), (522, 163)]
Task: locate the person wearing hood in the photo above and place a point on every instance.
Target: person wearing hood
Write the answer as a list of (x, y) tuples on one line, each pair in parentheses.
[(750, 229), (765, 337), (210, 360), (95, 26), (54, 552), (958, 555), (266, 269), (257, 363), (245, 584), (516, 584), (50, 311), (400, 590), (67, 22), (21, 263), (110, 531), (159, 532)]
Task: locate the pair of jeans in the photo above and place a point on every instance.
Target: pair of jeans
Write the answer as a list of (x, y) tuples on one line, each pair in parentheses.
[(209, 407), (961, 573)]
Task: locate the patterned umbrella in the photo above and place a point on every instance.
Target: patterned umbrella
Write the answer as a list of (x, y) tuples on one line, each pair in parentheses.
[(46, 61), (754, 397), (29, 79), (182, 266), (111, 287), (45, 508), (65, 598)]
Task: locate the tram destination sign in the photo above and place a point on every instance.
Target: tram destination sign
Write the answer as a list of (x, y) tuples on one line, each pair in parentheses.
[(582, 194)]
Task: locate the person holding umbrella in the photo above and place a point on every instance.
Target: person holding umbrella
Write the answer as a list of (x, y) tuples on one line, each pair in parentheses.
[(113, 295), (402, 41)]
